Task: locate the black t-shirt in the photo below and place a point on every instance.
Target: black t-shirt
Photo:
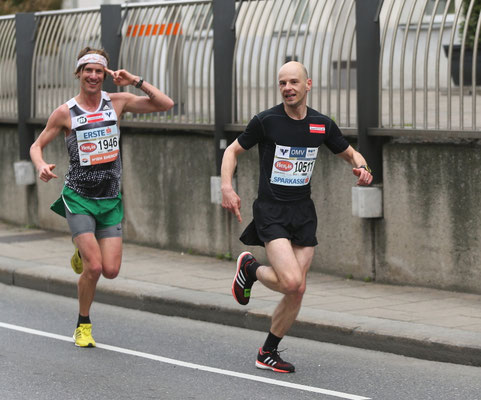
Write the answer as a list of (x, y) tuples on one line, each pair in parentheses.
[(288, 150)]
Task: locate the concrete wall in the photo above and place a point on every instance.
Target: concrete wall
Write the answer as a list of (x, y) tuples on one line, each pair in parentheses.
[(431, 232), (166, 189), (429, 235), (14, 206)]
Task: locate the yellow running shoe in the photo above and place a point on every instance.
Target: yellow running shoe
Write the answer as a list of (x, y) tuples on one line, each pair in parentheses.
[(76, 262), (83, 336)]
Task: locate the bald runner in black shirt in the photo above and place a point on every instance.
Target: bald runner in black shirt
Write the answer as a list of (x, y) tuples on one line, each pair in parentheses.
[(289, 136)]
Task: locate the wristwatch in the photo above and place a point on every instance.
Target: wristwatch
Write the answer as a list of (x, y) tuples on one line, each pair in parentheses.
[(139, 84), (366, 167)]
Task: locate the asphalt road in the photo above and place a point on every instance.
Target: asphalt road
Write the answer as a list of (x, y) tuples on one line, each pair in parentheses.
[(148, 356)]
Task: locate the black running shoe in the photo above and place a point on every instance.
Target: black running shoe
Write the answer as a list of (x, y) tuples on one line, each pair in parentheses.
[(272, 360), (241, 286)]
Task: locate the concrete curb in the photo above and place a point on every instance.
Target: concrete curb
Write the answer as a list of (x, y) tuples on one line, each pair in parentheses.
[(408, 339)]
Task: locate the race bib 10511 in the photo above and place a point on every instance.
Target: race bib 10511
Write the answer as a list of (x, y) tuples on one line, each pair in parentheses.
[(293, 166)]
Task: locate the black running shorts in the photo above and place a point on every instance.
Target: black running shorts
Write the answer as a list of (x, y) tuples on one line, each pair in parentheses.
[(296, 221)]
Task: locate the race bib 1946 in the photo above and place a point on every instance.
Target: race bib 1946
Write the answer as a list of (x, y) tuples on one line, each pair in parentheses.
[(293, 166), (98, 145)]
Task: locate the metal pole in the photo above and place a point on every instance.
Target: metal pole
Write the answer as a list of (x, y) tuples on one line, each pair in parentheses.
[(368, 53), (111, 37), (25, 32), (224, 43)]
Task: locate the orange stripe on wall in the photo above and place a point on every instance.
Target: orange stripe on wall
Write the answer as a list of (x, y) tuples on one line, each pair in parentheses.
[(154, 30)]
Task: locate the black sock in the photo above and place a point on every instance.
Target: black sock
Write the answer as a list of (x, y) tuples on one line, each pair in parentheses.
[(83, 320), (271, 343), (251, 270)]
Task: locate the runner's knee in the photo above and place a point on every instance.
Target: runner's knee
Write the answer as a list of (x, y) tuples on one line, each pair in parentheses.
[(291, 284), (110, 272), (92, 270)]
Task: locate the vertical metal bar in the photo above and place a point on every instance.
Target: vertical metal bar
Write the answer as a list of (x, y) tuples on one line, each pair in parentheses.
[(261, 53), (437, 68), (171, 42), (313, 47), (321, 59), (330, 59), (235, 87), (156, 44), (348, 67), (124, 46), (13, 73), (169, 15), (450, 55), (282, 23), (177, 56), (45, 32), (243, 38), (254, 22), (299, 26), (67, 74), (182, 78), (426, 58), (414, 62), (381, 60), (43, 29), (110, 20), (205, 68), (133, 50), (210, 68), (304, 43), (289, 30), (461, 66), (149, 67), (3, 44), (207, 65), (224, 41), (136, 51), (57, 41), (250, 57), (24, 30), (191, 98), (189, 29), (474, 78), (268, 75), (8, 75), (196, 70), (367, 40), (401, 70), (33, 80), (236, 25)]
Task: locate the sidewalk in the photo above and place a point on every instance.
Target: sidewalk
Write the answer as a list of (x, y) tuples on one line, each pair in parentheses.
[(418, 322)]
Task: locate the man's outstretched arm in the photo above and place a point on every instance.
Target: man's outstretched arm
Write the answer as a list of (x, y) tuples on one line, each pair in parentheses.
[(230, 200)]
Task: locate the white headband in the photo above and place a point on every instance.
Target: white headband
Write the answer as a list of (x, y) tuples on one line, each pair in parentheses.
[(92, 58)]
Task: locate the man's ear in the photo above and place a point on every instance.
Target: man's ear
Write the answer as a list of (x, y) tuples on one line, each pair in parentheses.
[(308, 84)]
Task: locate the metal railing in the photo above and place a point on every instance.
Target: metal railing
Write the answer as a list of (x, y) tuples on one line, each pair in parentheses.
[(171, 45), (423, 48), (60, 35), (168, 43), (8, 69), (320, 34)]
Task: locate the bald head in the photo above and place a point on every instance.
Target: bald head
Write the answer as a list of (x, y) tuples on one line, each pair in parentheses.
[(294, 68), (294, 84)]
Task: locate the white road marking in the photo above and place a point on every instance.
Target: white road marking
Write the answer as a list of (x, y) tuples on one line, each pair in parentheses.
[(191, 365)]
